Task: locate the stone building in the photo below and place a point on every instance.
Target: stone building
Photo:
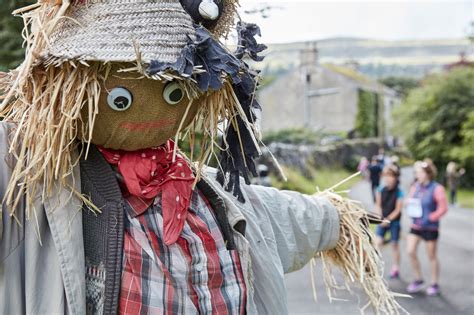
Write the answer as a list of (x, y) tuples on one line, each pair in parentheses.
[(334, 105)]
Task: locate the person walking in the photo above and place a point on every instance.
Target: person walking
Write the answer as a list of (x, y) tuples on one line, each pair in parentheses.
[(375, 169), (388, 204), (426, 204), (363, 167), (395, 160), (452, 179), (382, 158)]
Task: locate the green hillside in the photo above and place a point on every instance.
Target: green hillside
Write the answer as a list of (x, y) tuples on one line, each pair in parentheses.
[(376, 58)]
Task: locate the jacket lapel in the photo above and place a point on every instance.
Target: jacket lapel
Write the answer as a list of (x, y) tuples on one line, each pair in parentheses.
[(63, 211)]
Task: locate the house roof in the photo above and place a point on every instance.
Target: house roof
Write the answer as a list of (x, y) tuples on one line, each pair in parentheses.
[(364, 82), (360, 80)]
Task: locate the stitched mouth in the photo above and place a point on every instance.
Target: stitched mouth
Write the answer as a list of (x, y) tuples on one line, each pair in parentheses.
[(140, 126)]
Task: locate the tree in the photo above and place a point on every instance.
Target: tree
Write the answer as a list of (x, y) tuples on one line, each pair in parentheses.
[(402, 85), (437, 119), (11, 51)]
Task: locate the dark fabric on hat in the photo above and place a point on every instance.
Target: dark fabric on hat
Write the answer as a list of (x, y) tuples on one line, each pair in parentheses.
[(204, 52), (233, 161), (247, 44)]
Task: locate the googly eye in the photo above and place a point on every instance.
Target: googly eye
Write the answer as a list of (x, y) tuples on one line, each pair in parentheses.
[(120, 99), (173, 93)]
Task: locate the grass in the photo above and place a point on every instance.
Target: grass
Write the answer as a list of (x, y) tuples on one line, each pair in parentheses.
[(465, 198), (293, 136), (406, 161), (322, 178)]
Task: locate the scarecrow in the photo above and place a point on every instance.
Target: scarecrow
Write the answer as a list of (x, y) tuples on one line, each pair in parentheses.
[(102, 213)]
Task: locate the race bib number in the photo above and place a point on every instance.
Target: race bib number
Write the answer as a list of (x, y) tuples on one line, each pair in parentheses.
[(414, 208)]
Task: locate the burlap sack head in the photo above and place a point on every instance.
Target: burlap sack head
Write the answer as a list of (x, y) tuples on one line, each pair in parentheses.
[(137, 113)]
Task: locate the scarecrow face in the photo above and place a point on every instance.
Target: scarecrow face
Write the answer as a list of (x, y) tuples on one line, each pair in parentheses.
[(139, 113)]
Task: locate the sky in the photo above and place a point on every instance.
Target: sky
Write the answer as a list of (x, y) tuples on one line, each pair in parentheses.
[(300, 20)]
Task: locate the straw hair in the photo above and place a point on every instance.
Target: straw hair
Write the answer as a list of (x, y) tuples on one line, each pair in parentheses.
[(227, 20), (356, 256), (219, 109), (46, 112)]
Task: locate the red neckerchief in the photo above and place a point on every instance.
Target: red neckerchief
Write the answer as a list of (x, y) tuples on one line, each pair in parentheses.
[(148, 172)]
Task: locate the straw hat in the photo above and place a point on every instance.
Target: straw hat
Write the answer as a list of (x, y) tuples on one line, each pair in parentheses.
[(115, 30), (163, 40)]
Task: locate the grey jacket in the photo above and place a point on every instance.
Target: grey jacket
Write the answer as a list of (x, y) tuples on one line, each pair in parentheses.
[(283, 232)]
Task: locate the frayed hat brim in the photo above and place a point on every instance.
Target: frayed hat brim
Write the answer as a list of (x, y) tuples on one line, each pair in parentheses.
[(111, 31)]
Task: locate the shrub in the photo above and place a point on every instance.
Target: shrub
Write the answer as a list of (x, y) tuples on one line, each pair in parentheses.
[(437, 120), (367, 115), (293, 136)]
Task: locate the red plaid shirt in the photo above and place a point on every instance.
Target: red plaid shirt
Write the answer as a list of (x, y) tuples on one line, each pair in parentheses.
[(197, 274)]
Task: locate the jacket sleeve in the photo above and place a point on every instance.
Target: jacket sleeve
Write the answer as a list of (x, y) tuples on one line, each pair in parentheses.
[(4, 176), (301, 225), (11, 232)]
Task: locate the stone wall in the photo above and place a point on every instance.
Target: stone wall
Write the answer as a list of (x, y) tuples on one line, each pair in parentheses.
[(303, 157)]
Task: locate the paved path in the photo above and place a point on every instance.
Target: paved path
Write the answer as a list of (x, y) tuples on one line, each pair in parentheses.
[(456, 253)]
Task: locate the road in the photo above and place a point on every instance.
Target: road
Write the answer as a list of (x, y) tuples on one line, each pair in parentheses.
[(456, 253)]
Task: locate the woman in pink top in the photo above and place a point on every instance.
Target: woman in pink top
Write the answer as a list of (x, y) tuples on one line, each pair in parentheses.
[(426, 204)]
